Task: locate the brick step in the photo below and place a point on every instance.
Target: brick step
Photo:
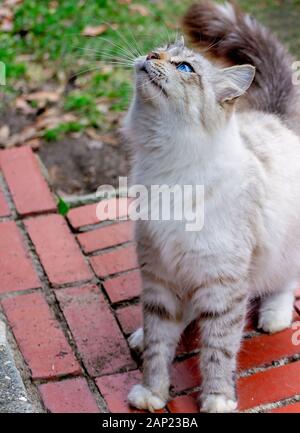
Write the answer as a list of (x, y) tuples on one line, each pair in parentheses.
[(25, 181), (95, 330), (68, 396), (17, 271), (57, 249), (40, 337)]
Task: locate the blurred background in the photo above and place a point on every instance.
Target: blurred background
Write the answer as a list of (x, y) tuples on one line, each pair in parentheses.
[(69, 76)]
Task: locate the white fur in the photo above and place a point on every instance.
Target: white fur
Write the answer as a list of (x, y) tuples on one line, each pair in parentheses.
[(187, 155), (249, 165), (276, 311), (136, 340), (218, 404), (228, 11), (142, 398)]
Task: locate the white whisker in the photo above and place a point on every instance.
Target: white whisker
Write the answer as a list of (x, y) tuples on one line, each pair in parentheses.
[(123, 38)]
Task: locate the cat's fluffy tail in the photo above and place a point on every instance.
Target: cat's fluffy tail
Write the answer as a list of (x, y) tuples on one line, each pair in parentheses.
[(230, 34)]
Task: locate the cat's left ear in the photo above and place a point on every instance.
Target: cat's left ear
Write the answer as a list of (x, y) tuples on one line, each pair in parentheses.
[(230, 83), (180, 42)]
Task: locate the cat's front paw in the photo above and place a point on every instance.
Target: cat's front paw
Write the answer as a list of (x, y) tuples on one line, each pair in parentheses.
[(142, 398), (136, 340), (218, 404), (272, 321)]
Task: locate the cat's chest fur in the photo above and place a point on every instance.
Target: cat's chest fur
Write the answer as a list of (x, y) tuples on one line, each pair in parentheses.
[(189, 257)]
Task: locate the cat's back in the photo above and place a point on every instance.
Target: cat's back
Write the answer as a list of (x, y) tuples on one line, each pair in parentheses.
[(275, 147), (275, 150)]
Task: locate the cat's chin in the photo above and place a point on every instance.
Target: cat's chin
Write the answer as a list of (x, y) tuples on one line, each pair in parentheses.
[(150, 89), (147, 85)]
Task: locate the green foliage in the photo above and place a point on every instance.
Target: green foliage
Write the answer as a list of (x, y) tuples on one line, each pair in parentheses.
[(54, 134), (78, 102), (52, 38), (62, 207)]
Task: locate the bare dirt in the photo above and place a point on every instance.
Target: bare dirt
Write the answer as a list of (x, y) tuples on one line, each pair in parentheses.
[(77, 165), (76, 168)]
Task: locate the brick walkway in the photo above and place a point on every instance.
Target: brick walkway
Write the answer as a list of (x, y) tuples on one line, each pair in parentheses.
[(69, 291)]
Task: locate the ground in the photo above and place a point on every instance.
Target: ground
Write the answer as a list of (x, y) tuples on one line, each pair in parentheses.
[(69, 295), (66, 93)]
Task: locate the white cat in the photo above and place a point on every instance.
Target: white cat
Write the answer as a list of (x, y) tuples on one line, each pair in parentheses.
[(185, 128)]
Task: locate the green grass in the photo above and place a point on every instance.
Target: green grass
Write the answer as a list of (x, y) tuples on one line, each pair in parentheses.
[(53, 40), (47, 42), (54, 134)]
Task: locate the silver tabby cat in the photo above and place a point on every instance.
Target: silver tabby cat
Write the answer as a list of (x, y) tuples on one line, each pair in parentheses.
[(234, 130)]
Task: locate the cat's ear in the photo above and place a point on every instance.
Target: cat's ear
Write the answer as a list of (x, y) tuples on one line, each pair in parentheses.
[(180, 42), (230, 83)]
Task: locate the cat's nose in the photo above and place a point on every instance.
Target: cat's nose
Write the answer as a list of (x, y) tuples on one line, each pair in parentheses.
[(153, 55)]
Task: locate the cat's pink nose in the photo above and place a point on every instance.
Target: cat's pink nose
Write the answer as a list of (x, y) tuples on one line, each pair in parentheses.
[(152, 56)]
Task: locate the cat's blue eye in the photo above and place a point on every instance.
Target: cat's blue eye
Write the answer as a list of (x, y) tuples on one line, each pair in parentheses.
[(184, 67)]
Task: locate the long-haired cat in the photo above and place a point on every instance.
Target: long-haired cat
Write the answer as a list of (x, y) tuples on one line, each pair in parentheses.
[(193, 123)]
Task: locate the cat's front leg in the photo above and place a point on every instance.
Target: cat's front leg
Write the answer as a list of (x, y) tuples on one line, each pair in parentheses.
[(221, 326), (162, 329)]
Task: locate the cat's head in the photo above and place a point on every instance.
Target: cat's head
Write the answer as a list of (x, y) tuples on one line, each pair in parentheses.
[(176, 80)]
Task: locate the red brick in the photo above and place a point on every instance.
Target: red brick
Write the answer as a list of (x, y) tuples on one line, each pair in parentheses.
[(291, 408), (97, 335), (130, 318), (264, 349), (68, 396), (185, 374), (39, 336), (27, 185), (4, 209), (17, 272), (269, 386), (87, 215), (122, 259), (183, 404), (105, 237), (190, 339), (124, 287), (115, 389), (58, 251)]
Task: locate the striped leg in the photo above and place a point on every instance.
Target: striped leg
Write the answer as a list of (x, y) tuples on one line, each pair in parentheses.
[(162, 329), (221, 332)]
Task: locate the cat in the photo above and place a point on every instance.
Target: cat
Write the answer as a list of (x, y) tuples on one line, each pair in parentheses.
[(233, 130)]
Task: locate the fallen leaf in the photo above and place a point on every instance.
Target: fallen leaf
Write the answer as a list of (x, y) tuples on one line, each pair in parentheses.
[(4, 134), (12, 2), (53, 172), (95, 31), (23, 106), (109, 139), (43, 96), (6, 25), (139, 9), (21, 58), (34, 143), (102, 108), (53, 120), (21, 137), (37, 74), (5, 12), (53, 6), (95, 145), (104, 138)]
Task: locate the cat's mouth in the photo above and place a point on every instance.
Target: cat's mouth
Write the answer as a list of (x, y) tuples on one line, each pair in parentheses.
[(152, 80)]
